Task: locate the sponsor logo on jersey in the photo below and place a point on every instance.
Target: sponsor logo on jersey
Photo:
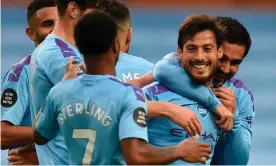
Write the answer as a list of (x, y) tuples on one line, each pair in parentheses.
[(203, 112), (8, 98), (139, 117)]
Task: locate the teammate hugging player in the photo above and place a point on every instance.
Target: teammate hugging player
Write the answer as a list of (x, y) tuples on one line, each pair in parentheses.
[(199, 45), (98, 123)]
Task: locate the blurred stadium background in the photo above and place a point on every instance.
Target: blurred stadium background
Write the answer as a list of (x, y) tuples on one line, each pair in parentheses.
[(155, 24)]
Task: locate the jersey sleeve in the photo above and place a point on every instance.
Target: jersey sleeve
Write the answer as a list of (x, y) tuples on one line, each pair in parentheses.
[(47, 124), (234, 148), (133, 116), (169, 72), (15, 97), (149, 95), (57, 67)]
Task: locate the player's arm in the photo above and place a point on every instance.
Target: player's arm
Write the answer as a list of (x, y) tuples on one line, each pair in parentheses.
[(133, 136), (169, 72), (46, 124), (234, 149), (139, 152), (143, 81), (14, 104), (182, 116)]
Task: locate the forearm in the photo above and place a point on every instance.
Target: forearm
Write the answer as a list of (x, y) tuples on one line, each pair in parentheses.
[(159, 109), (238, 145), (143, 81), (27, 149), (151, 155), (14, 136), (234, 150), (170, 74)]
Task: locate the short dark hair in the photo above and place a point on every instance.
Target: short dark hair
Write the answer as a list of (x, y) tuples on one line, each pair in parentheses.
[(235, 32), (83, 5), (196, 23), (117, 9), (36, 5), (95, 33)]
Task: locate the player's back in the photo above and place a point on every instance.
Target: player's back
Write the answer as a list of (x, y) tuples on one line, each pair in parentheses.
[(163, 132), (48, 64), (130, 67), (91, 108)]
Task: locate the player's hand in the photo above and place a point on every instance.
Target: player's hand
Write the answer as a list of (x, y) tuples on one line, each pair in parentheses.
[(193, 151), (17, 157), (71, 69), (187, 119), (225, 117), (227, 98), (143, 81)]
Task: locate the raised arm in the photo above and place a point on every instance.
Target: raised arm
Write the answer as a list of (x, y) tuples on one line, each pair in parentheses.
[(169, 72)]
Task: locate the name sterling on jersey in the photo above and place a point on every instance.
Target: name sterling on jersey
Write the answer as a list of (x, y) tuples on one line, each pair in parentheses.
[(82, 109)]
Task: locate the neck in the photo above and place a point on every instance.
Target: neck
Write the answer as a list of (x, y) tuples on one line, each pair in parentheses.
[(99, 66), (208, 83), (36, 44), (124, 45), (65, 30)]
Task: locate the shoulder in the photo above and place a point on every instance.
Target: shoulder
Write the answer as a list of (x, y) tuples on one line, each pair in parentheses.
[(19, 70), (137, 60), (171, 55), (240, 87), (129, 89), (52, 50), (156, 88), (143, 61)]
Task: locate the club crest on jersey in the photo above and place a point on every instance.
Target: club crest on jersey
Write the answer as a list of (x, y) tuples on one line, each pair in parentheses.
[(203, 112)]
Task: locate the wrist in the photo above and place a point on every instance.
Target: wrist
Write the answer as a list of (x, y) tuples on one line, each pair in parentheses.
[(217, 110), (177, 152), (170, 109)]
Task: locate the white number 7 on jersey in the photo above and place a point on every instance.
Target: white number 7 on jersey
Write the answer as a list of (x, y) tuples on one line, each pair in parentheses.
[(91, 136)]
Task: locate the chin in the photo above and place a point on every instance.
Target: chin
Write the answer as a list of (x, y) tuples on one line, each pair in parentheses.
[(201, 79)]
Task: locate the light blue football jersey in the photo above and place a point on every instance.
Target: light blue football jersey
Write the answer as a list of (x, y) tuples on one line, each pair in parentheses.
[(233, 147), (48, 65), (15, 99), (164, 132), (130, 67), (94, 113)]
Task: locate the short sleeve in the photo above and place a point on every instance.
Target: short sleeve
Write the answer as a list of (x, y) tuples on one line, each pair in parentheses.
[(133, 116)]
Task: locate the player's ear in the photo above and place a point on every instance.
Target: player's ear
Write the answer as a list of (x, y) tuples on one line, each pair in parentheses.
[(129, 36), (116, 46), (220, 52), (30, 33), (179, 53), (73, 10)]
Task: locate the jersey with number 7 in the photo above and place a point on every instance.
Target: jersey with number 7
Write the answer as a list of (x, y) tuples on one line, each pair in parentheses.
[(93, 113)]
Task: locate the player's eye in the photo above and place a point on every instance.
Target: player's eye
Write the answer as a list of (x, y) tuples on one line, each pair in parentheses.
[(207, 49), (47, 23), (236, 62), (223, 58), (191, 49)]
